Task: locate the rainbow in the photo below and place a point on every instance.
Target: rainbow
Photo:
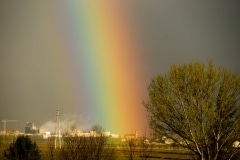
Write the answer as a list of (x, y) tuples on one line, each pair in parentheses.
[(99, 50)]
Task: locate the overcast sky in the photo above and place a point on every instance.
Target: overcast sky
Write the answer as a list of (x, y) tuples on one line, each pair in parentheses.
[(171, 32)]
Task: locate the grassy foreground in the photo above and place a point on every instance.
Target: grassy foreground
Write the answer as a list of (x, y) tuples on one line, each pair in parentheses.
[(157, 152)]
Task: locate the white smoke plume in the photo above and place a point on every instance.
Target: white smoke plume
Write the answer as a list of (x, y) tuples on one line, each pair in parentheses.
[(68, 121)]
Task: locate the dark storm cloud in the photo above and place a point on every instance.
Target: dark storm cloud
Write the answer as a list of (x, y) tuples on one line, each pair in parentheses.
[(170, 31), (31, 67), (185, 31)]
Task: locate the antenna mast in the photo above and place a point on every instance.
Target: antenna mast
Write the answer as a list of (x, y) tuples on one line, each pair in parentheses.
[(58, 136)]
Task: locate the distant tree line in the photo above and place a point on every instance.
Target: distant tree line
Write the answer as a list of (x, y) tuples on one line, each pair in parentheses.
[(92, 147)]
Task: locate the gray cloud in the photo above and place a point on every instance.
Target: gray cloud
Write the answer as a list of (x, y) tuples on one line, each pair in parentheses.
[(32, 81)]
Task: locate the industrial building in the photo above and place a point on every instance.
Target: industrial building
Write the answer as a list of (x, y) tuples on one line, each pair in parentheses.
[(31, 128)]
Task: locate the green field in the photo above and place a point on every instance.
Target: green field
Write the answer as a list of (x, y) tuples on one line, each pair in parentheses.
[(157, 152)]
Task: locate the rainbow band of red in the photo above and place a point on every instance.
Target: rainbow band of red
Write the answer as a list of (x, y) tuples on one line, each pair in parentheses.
[(101, 53)]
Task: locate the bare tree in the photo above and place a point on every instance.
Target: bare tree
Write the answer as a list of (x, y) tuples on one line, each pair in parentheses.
[(129, 148), (97, 129), (145, 148), (201, 105), (93, 147), (50, 148)]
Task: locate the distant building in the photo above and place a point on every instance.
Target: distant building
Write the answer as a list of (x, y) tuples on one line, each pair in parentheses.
[(114, 136), (46, 135), (131, 136), (31, 128)]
